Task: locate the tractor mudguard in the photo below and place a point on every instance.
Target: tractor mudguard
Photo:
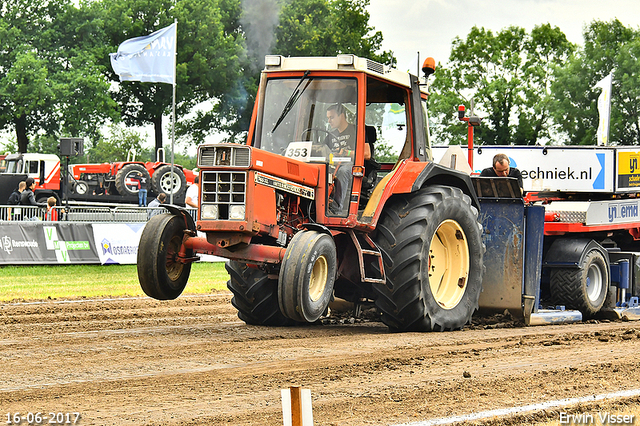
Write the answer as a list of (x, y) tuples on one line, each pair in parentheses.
[(181, 211), (570, 252), (436, 174), (411, 176), (317, 227)]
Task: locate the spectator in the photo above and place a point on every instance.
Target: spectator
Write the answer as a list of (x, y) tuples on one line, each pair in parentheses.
[(100, 190), (52, 212), (14, 200), (27, 198), (191, 198), (142, 189), (160, 199)]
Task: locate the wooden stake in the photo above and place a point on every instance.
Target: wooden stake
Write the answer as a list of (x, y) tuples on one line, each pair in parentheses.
[(296, 406)]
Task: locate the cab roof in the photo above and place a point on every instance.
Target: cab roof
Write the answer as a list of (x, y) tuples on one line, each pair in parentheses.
[(32, 156), (337, 63)]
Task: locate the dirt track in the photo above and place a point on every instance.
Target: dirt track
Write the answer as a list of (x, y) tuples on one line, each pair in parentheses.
[(192, 362)]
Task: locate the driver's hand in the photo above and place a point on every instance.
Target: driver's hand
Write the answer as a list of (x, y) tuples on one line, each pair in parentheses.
[(320, 150), (344, 152)]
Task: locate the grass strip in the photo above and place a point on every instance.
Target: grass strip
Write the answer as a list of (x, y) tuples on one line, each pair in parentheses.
[(83, 281)]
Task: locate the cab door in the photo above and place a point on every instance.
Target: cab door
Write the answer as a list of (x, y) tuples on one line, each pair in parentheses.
[(387, 130)]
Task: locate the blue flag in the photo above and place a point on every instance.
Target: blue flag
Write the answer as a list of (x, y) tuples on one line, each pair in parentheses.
[(149, 58)]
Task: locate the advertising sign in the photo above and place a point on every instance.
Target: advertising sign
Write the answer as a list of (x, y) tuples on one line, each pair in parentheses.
[(117, 243), (617, 211), (32, 243), (628, 169), (70, 243), (571, 169), (46, 243)]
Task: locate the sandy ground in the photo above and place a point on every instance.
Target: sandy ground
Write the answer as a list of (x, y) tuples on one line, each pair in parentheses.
[(134, 361)]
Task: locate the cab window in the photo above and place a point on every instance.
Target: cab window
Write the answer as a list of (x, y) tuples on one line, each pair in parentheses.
[(32, 167), (294, 120), (386, 112)]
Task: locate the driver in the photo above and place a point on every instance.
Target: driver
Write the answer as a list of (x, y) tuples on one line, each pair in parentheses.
[(342, 142)]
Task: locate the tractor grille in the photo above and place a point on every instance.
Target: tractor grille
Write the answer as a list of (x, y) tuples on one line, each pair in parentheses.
[(223, 195), (224, 155)]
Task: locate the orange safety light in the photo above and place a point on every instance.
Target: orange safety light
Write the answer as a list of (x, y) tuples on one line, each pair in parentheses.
[(461, 110), (429, 66)]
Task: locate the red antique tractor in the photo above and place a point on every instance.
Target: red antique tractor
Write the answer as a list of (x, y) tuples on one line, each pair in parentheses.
[(305, 213), (117, 177)]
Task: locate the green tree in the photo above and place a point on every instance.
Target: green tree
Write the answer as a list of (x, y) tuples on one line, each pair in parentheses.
[(209, 45), (48, 83), (27, 95), (385, 152), (301, 28), (508, 76), (547, 48), (120, 143), (328, 28), (608, 47), (628, 85)]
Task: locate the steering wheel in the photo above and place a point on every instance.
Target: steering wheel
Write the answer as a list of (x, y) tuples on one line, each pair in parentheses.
[(317, 132)]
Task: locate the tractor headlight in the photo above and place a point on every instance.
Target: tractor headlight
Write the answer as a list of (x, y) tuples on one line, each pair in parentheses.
[(209, 211), (236, 212)]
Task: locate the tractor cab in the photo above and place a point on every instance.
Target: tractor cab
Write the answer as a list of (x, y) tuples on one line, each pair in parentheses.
[(352, 115)]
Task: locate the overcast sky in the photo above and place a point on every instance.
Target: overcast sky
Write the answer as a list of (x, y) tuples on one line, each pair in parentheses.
[(429, 26)]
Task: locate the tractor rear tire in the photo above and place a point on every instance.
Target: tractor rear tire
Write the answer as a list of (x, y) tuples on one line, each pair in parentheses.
[(124, 174), (255, 295), (160, 274), (431, 244), (161, 181), (307, 276), (584, 288)]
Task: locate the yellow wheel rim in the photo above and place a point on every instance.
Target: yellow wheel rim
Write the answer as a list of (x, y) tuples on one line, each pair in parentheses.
[(448, 264), (318, 280)]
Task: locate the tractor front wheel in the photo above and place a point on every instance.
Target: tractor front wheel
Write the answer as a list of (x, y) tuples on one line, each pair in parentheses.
[(161, 273), (307, 275), (81, 187)]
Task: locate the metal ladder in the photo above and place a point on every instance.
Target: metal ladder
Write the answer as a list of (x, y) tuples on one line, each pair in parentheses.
[(368, 252)]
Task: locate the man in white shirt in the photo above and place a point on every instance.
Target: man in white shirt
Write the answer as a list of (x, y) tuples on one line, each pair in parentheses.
[(160, 199), (191, 197)]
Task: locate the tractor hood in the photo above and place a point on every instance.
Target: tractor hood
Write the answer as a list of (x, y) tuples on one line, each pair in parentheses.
[(235, 156)]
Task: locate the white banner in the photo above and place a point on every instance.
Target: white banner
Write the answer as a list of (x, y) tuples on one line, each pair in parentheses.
[(604, 109), (149, 58), (117, 243)]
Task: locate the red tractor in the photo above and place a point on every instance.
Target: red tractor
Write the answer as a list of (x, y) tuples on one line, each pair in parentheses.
[(304, 212), (117, 177), (85, 179)]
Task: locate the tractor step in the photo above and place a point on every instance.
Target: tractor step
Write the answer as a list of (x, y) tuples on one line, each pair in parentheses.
[(368, 254)]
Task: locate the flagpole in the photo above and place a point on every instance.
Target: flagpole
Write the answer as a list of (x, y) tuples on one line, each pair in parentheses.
[(606, 141), (173, 111)]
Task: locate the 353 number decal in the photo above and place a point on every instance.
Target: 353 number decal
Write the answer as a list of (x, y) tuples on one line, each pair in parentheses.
[(297, 152)]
